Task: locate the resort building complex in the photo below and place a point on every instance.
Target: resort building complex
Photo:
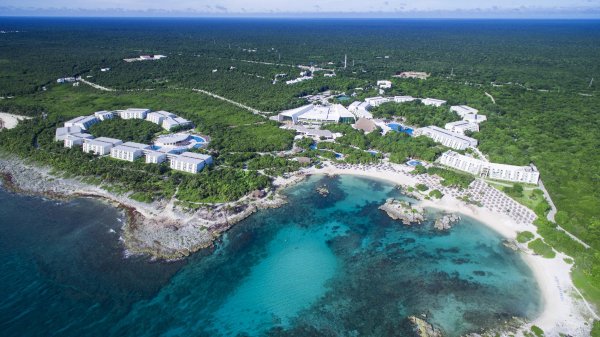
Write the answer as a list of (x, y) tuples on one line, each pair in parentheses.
[(173, 147), (522, 174), (450, 139), (317, 114)]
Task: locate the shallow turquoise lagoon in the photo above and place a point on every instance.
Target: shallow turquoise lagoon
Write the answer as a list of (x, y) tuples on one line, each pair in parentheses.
[(318, 266)]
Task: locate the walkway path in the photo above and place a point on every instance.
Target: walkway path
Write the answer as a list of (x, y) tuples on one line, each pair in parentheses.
[(94, 85), (254, 111), (491, 97)]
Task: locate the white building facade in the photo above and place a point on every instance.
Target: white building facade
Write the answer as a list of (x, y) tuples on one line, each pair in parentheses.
[(520, 174), (463, 110), (461, 127), (83, 122), (447, 138), (433, 102), (133, 113), (129, 151), (101, 145)]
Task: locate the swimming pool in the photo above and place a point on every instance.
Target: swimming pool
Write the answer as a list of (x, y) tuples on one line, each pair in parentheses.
[(413, 163), (400, 128), (198, 139)]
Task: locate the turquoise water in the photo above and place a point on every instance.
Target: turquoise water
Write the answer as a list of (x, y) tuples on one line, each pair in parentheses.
[(400, 128), (319, 266)]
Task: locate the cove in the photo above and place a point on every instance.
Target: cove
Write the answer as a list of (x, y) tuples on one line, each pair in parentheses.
[(320, 266)]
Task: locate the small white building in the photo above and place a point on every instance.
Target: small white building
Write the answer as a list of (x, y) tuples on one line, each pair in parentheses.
[(520, 174), (61, 133), (166, 119), (360, 110), (403, 99), (129, 151), (433, 101), (101, 145), (463, 110), (384, 84), (83, 122), (133, 113), (447, 138), (377, 101), (76, 139), (155, 157), (462, 126), (104, 115), (474, 118), (190, 162)]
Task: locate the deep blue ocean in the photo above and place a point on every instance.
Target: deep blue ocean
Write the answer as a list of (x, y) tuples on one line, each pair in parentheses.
[(318, 266)]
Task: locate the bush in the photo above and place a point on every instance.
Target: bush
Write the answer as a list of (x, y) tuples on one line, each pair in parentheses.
[(436, 194), (525, 236), (540, 248), (596, 329), (422, 187)]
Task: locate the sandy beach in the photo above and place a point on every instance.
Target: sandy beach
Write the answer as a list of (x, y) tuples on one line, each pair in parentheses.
[(10, 121), (564, 312)]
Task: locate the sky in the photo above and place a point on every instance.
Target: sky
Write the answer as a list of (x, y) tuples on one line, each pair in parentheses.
[(308, 8)]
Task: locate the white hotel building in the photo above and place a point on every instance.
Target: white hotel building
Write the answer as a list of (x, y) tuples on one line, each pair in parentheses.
[(133, 113), (101, 145), (463, 110), (433, 101), (461, 127), (129, 151), (190, 162), (521, 174), (166, 119), (450, 139), (83, 122), (104, 115)]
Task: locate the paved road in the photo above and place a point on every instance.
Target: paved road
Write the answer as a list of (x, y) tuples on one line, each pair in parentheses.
[(97, 86), (253, 110)]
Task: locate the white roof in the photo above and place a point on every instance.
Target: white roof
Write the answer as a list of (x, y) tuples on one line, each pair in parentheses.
[(81, 119), (155, 153), (136, 110), (109, 140), (327, 113), (312, 132), (102, 113), (432, 100), (462, 110), (138, 146), (162, 113), (449, 133), (189, 160), (171, 139), (475, 118), (67, 130), (196, 155)]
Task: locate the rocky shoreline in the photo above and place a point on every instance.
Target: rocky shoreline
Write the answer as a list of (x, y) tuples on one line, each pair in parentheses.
[(403, 211), (159, 229)]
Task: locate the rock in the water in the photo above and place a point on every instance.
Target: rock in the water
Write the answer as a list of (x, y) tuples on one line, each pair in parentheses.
[(446, 221), (401, 210), (323, 191), (424, 329)]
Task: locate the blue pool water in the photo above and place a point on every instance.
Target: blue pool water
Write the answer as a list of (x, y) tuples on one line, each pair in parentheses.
[(413, 163), (343, 98), (400, 128), (198, 139), (155, 147), (313, 146), (316, 265)]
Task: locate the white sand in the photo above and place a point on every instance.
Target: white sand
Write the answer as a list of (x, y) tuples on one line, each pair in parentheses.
[(11, 121), (563, 311)]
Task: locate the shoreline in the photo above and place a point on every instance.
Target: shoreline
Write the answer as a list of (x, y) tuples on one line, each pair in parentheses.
[(560, 311), (163, 231)]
